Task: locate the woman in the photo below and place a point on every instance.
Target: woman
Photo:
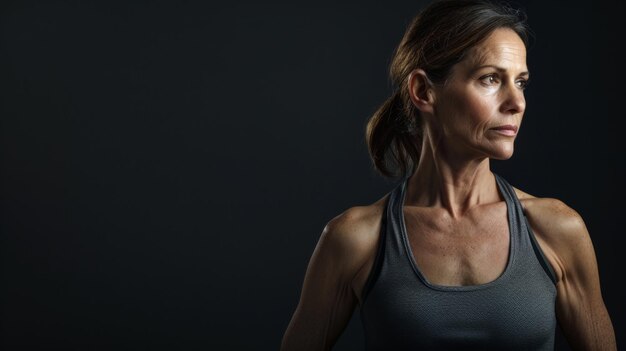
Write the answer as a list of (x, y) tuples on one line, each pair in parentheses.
[(454, 258)]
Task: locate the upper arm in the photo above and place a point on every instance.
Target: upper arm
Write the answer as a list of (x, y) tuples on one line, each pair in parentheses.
[(580, 308), (327, 300)]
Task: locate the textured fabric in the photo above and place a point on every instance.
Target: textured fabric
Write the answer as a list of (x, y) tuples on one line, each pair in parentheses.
[(403, 311)]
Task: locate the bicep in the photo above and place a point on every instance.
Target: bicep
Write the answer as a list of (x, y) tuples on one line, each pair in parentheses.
[(327, 300), (580, 308)]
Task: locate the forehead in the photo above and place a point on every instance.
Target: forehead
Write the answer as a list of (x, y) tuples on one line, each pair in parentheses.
[(502, 48)]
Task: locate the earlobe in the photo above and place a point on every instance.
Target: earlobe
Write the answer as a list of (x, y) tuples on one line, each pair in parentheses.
[(421, 90)]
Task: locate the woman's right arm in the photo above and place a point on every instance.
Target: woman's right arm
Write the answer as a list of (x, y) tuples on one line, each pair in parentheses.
[(327, 300)]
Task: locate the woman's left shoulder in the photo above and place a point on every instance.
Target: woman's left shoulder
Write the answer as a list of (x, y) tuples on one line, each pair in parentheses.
[(551, 214), (559, 229)]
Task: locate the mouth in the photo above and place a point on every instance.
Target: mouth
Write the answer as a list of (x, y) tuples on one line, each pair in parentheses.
[(508, 129)]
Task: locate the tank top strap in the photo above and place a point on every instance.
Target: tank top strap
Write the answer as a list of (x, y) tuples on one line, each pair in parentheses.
[(390, 252), (527, 242), (394, 225), (515, 210)]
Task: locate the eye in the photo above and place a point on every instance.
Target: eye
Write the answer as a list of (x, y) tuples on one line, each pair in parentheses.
[(522, 83), (490, 79)]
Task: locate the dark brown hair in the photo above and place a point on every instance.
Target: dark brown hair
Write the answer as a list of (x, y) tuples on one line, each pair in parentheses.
[(435, 40)]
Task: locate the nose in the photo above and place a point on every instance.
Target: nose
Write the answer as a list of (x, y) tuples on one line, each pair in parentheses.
[(514, 101)]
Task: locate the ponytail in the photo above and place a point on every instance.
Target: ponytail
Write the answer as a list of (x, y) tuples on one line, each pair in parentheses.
[(393, 138)]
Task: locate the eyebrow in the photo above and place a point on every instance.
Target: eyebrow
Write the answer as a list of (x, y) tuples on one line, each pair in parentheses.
[(499, 69)]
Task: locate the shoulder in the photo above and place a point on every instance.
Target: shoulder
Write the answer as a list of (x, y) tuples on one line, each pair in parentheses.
[(550, 213), (560, 230), (354, 227), (350, 240)]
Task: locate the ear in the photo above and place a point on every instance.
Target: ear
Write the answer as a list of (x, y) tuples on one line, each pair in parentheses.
[(421, 90)]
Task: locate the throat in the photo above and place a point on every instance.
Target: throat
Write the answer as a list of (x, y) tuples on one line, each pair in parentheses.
[(456, 197)]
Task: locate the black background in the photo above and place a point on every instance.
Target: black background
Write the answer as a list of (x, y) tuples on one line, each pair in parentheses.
[(167, 167)]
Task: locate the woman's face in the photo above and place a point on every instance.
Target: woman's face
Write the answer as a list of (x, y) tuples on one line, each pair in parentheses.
[(479, 110)]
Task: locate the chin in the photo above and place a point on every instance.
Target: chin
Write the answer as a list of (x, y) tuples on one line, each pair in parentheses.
[(503, 156), (503, 153)]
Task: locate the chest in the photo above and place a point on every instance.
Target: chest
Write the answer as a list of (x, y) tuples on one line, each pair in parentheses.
[(471, 250)]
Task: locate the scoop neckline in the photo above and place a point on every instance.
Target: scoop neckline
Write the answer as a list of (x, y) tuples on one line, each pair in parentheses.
[(422, 277)]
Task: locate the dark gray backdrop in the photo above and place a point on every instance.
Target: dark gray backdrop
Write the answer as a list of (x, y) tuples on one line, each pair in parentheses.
[(167, 167)]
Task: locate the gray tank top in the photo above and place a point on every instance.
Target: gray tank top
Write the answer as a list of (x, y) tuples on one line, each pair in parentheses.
[(401, 310)]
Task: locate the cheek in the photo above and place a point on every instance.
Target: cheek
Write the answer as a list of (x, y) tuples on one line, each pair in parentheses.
[(481, 112), (473, 111)]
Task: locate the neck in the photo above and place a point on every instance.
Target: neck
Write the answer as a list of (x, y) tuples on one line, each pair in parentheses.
[(455, 184)]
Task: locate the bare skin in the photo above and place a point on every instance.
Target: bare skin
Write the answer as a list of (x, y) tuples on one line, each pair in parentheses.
[(455, 217)]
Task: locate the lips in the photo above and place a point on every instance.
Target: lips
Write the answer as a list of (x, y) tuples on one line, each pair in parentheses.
[(510, 127), (507, 129)]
